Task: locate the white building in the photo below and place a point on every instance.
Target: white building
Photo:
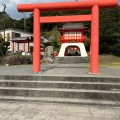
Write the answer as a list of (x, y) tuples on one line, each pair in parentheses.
[(11, 33)]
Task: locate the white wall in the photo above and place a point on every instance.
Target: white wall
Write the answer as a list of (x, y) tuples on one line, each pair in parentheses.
[(80, 45)]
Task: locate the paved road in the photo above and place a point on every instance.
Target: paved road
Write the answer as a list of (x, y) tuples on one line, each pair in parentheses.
[(47, 111), (60, 70)]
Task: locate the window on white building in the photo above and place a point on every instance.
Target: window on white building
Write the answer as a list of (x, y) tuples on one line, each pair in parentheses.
[(66, 34), (72, 34), (78, 33)]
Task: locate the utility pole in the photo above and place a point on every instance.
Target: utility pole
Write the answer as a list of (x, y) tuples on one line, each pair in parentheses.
[(24, 21), (4, 7)]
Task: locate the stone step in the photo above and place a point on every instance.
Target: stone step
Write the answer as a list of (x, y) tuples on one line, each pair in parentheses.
[(71, 59), (65, 89), (62, 100), (61, 78), (61, 93), (60, 84)]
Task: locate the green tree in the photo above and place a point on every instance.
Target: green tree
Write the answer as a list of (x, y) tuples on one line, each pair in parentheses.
[(4, 46), (116, 49), (109, 29), (54, 36)]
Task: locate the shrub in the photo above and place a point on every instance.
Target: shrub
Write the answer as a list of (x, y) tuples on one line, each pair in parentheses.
[(1, 60), (105, 48), (26, 60), (116, 49), (17, 60), (4, 46)]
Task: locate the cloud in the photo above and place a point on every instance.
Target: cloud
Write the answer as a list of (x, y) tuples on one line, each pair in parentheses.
[(12, 6)]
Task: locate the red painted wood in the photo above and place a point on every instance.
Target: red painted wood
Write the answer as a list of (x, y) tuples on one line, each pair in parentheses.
[(12, 46), (28, 47), (87, 4), (24, 47), (73, 39), (36, 48), (94, 66), (72, 18)]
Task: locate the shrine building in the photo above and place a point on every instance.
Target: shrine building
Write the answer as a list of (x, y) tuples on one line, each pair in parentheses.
[(73, 37)]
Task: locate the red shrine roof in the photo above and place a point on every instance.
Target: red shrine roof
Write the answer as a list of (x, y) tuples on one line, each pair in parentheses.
[(21, 39)]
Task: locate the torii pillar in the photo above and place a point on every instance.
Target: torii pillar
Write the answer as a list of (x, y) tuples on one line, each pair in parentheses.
[(36, 50), (94, 58)]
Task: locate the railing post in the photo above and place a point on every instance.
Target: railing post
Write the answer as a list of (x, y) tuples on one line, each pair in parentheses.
[(18, 46), (12, 46), (24, 47)]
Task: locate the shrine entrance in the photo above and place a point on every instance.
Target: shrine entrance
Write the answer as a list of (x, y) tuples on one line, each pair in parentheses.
[(72, 35), (72, 51)]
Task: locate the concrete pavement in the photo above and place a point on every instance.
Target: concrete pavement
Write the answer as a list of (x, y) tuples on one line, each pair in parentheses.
[(61, 70), (47, 111)]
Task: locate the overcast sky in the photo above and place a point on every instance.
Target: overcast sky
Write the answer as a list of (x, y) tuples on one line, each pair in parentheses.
[(12, 6)]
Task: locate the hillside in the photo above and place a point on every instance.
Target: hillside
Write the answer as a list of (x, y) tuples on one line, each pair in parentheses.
[(4, 15), (6, 21)]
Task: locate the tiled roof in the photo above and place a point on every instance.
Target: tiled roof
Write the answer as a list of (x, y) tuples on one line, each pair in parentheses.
[(73, 26), (19, 38)]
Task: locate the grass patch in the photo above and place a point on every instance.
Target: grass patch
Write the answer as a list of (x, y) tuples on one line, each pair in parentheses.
[(107, 60), (110, 60)]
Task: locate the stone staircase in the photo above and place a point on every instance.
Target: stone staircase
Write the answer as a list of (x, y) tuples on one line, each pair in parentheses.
[(55, 89), (71, 59)]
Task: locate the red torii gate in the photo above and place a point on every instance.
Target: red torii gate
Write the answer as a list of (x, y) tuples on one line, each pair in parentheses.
[(94, 5)]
